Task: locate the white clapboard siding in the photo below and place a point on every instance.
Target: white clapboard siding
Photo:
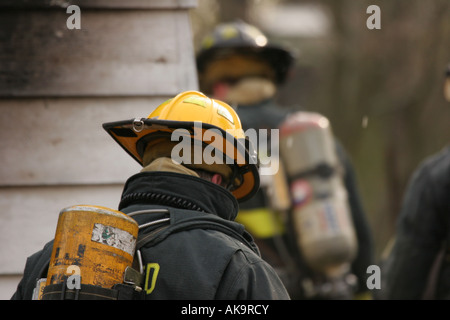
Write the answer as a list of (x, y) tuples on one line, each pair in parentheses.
[(115, 53), (29, 216), (103, 4), (57, 87), (62, 141)]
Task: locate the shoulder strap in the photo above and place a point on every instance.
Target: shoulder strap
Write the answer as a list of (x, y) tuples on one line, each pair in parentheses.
[(148, 237), (158, 235)]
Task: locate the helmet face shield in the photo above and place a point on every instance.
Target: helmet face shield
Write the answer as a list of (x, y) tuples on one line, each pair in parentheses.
[(208, 132), (233, 68)]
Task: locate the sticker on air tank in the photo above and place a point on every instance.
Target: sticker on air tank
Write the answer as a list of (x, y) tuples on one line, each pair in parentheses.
[(114, 237), (301, 192)]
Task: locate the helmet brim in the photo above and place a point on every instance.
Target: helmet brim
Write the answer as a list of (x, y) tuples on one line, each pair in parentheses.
[(133, 140)]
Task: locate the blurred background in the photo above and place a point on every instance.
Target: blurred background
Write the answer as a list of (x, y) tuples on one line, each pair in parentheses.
[(381, 89)]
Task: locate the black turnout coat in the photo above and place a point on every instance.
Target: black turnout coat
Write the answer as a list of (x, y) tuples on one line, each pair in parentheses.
[(199, 253)]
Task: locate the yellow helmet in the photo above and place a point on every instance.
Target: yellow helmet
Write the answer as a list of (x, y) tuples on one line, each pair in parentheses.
[(196, 113)]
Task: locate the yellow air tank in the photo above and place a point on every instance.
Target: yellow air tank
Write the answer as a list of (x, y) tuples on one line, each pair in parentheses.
[(96, 242)]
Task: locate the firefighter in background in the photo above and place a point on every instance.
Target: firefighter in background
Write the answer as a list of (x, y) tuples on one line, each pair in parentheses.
[(237, 64), (417, 265)]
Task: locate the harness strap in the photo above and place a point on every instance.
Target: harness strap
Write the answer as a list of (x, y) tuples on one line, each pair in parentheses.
[(90, 292)]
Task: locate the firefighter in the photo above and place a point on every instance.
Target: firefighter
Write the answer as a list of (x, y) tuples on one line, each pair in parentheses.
[(189, 246), (237, 64), (417, 266)]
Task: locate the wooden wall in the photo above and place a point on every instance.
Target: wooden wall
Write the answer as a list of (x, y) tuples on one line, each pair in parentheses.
[(57, 87)]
